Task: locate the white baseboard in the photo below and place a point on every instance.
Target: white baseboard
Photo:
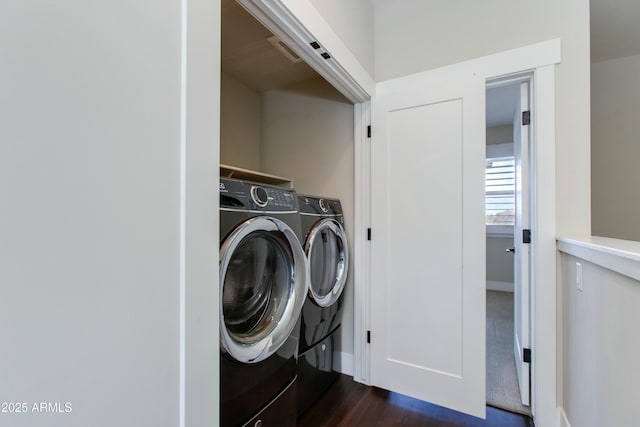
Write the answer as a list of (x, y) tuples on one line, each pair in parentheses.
[(493, 285), (564, 422), (343, 363)]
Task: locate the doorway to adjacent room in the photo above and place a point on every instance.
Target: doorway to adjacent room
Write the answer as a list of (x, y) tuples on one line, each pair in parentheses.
[(508, 208)]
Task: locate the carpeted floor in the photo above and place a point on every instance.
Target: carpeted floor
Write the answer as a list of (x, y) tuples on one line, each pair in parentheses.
[(502, 382)]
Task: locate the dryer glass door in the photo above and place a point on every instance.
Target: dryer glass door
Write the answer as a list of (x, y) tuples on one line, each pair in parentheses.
[(263, 284), (328, 256)]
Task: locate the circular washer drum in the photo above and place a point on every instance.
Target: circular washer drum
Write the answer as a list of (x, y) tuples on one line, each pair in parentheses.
[(328, 257), (263, 284)]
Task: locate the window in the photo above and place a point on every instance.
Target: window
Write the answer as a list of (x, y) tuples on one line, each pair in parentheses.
[(500, 191)]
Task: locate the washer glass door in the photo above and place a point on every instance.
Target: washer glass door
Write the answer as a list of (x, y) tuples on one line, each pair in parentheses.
[(328, 256), (263, 285)]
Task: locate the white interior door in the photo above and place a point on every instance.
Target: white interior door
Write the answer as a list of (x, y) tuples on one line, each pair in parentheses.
[(428, 243), (522, 250)]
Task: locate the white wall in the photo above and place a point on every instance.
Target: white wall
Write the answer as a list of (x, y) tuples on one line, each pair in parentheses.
[(307, 135), (600, 346), (615, 110), (90, 178), (414, 36), (240, 116), (352, 21)]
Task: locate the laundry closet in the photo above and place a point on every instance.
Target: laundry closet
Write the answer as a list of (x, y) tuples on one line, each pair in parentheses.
[(279, 117)]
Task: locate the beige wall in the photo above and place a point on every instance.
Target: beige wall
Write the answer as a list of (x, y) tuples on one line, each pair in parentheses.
[(352, 21), (615, 111), (500, 134), (499, 262), (414, 36), (240, 117), (600, 346), (307, 135)]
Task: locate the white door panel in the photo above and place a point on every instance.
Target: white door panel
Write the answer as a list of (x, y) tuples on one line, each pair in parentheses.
[(415, 160), (428, 291), (522, 250)]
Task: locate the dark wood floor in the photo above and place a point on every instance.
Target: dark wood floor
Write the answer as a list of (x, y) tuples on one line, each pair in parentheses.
[(348, 404)]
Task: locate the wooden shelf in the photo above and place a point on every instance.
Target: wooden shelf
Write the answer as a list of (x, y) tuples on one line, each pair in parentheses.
[(234, 172)]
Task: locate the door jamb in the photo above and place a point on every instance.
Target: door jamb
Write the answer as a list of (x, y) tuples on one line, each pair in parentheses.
[(362, 248)]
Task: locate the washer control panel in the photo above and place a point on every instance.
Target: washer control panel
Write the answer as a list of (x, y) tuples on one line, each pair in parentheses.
[(273, 199)]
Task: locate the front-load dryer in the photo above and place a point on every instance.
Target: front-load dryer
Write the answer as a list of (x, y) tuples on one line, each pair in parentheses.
[(327, 252), (263, 285)]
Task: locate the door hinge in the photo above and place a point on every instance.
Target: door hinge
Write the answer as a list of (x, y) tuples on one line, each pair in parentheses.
[(368, 337), (369, 131), (526, 236), (526, 355), (526, 118), (368, 234)]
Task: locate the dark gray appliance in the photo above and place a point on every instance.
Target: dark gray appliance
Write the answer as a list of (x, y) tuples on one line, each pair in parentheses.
[(263, 285), (326, 248)]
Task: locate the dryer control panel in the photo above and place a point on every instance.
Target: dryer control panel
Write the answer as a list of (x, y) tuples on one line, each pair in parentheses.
[(319, 206)]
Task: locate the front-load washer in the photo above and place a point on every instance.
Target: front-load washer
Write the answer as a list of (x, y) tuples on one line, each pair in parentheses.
[(263, 285), (327, 252)]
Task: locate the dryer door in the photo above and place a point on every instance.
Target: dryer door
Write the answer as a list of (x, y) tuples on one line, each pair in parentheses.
[(263, 283), (328, 257)]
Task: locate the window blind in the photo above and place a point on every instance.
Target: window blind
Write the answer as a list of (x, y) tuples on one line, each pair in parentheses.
[(500, 191)]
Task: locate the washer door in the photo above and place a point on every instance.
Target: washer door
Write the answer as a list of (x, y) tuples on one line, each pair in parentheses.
[(328, 256), (263, 283)]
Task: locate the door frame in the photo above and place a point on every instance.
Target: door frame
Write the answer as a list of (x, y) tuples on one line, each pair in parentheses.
[(298, 23)]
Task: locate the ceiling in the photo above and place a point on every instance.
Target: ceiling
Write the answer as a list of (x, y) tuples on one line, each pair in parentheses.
[(249, 57)]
